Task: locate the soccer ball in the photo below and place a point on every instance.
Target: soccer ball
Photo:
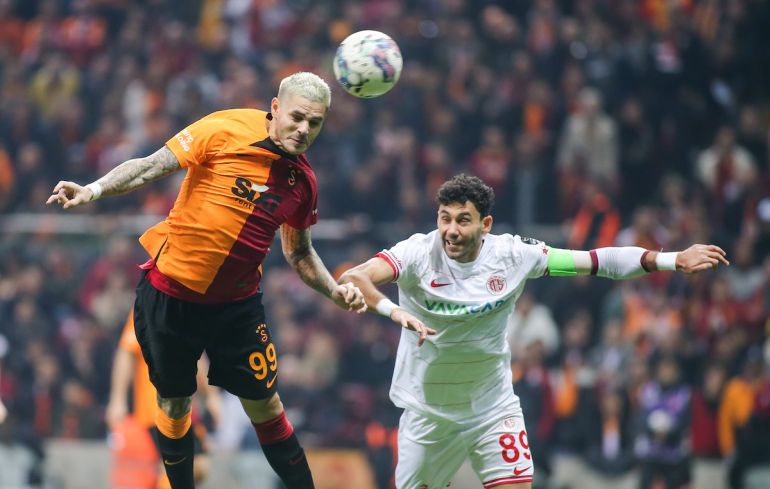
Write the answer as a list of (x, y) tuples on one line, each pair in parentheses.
[(367, 64)]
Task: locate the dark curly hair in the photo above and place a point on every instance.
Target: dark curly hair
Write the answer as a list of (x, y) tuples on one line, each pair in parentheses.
[(463, 188)]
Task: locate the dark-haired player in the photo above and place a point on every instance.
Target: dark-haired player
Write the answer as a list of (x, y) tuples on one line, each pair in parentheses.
[(462, 282)]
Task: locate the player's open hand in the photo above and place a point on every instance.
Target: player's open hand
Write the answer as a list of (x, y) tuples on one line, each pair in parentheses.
[(408, 321), (698, 258), (349, 297), (69, 194)]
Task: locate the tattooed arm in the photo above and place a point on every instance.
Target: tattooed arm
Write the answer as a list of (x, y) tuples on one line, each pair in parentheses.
[(124, 178), (299, 252)]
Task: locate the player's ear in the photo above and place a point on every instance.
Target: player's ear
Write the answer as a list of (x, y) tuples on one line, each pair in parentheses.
[(486, 223), (274, 106)]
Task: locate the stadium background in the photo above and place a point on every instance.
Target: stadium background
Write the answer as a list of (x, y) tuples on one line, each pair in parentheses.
[(596, 121)]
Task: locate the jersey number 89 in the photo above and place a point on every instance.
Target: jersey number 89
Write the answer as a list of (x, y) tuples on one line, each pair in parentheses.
[(511, 452)]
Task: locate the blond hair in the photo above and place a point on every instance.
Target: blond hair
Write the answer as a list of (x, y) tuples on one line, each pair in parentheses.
[(307, 85)]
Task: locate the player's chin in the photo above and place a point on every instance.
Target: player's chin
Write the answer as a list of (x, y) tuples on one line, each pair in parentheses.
[(296, 148), (453, 251)]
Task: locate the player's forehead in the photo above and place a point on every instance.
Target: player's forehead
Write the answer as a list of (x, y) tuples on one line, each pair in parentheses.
[(303, 107), (458, 209)]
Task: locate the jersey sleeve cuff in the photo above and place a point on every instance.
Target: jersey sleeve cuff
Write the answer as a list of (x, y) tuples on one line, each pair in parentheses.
[(391, 260), (181, 155)]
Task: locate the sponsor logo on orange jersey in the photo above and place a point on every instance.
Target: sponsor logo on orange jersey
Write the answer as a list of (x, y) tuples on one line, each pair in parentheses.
[(185, 138), (249, 194)]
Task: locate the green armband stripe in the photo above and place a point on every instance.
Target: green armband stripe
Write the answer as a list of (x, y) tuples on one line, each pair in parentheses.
[(561, 263)]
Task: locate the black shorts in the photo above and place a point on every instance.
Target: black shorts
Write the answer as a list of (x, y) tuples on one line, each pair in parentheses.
[(174, 333)]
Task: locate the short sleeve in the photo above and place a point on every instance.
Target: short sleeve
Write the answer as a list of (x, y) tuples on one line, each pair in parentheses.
[(403, 258), (307, 213), (196, 143), (532, 255)]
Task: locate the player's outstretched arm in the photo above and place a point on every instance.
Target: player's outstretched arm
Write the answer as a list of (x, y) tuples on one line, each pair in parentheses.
[(630, 261), (299, 252), (367, 277), (127, 176)]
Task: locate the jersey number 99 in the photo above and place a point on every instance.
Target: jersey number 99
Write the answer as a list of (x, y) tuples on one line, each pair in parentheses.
[(262, 363)]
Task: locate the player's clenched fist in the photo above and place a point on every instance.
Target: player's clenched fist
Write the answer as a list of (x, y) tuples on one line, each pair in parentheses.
[(349, 297), (70, 194), (698, 258)]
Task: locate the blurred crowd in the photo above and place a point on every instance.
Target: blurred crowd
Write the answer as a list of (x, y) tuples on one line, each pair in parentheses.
[(627, 122)]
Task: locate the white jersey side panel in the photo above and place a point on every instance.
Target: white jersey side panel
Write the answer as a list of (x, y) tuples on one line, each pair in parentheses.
[(464, 370)]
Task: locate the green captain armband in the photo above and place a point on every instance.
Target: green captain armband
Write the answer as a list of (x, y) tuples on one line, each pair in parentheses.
[(561, 263)]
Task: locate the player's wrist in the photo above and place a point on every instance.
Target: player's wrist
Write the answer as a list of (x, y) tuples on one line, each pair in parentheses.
[(96, 191), (666, 261), (385, 307)]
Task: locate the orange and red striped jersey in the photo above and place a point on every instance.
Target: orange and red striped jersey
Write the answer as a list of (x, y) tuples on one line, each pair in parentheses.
[(239, 189)]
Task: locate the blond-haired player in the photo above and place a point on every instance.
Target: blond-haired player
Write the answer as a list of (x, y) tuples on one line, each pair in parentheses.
[(247, 177)]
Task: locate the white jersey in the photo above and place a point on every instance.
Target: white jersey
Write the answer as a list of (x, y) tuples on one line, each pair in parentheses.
[(464, 370)]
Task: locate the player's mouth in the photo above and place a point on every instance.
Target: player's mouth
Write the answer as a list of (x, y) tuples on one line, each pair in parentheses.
[(453, 245)]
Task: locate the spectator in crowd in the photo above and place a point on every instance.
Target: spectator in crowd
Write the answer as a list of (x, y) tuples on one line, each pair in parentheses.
[(588, 149), (597, 221), (744, 420), (727, 170), (708, 471), (531, 322), (532, 384), (664, 428), (609, 439)]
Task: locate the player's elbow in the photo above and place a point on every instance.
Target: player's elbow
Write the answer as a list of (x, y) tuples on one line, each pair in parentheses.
[(294, 255)]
